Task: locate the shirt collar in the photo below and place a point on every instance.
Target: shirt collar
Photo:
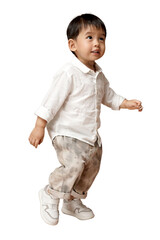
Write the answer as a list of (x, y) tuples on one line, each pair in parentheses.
[(77, 63)]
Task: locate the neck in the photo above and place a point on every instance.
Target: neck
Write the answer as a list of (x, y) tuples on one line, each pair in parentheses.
[(91, 65)]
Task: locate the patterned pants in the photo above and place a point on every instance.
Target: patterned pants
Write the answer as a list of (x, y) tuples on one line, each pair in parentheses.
[(80, 163)]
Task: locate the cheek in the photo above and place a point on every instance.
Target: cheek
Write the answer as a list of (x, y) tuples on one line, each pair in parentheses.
[(103, 49), (82, 46), (86, 45), (85, 48)]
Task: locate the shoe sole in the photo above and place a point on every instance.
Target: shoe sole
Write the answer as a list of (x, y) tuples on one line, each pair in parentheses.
[(41, 211), (67, 212)]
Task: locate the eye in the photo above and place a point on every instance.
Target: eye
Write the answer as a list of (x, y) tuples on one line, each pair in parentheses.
[(102, 39), (89, 37)]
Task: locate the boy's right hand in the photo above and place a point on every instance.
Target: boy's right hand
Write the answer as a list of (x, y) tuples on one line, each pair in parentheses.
[(36, 136)]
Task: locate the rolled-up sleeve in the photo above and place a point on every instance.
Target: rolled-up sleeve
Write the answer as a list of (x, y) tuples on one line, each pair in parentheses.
[(56, 96), (110, 98)]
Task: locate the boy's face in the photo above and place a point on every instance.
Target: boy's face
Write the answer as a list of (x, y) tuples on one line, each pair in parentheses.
[(89, 45)]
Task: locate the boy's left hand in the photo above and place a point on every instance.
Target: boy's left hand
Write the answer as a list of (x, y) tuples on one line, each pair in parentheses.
[(132, 104)]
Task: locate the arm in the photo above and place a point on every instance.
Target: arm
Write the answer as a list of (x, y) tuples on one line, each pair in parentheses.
[(37, 134), (51, 104), (55, 97), (116, 102), (131, 105), (110, 98)]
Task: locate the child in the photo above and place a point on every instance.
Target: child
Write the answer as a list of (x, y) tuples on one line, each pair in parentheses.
[(71, 112)]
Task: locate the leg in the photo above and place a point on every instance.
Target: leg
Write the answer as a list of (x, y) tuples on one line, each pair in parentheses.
[(92, 164), (62, 180), (90, 171)]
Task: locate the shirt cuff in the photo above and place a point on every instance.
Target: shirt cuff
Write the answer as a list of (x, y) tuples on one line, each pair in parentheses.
[(44, 113), (117, 103)]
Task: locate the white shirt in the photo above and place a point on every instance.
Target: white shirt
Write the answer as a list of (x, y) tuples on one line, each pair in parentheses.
[(73, 103)]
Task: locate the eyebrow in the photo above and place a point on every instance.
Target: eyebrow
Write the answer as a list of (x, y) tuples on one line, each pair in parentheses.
[(88, 33)]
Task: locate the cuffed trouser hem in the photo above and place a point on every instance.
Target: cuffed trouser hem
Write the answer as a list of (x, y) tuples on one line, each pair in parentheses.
[(77, 195), (65, 196)]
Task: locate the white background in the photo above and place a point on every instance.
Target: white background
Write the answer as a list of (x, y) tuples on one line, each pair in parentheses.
[(33, 46)]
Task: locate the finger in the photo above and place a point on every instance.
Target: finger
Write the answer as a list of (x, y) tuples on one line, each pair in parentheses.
[(138, 105), (30, 138), (135, 106), (137, 102), (36, 143), (140, 109), (40, 141), (32, 141)]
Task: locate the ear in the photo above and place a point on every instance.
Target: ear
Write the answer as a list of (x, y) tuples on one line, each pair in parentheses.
[(72, 45)]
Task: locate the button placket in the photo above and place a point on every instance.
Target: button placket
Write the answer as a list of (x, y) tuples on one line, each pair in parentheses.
[(96, 107)]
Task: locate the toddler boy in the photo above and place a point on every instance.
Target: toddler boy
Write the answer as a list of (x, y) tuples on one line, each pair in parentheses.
[(71, 112)]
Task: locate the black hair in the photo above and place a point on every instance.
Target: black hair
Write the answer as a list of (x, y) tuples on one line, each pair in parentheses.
[(84, 20)]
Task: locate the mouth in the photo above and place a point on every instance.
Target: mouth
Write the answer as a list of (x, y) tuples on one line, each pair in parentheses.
[(95, 52)]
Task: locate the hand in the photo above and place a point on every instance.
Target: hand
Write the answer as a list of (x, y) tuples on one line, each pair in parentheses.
[(132, 104), (36, 136)]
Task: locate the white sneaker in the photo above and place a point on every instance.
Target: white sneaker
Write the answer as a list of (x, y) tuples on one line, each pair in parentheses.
[(76, 209), (49, 207)]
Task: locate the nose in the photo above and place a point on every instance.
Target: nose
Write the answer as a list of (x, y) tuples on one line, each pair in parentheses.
[(96, 43)]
